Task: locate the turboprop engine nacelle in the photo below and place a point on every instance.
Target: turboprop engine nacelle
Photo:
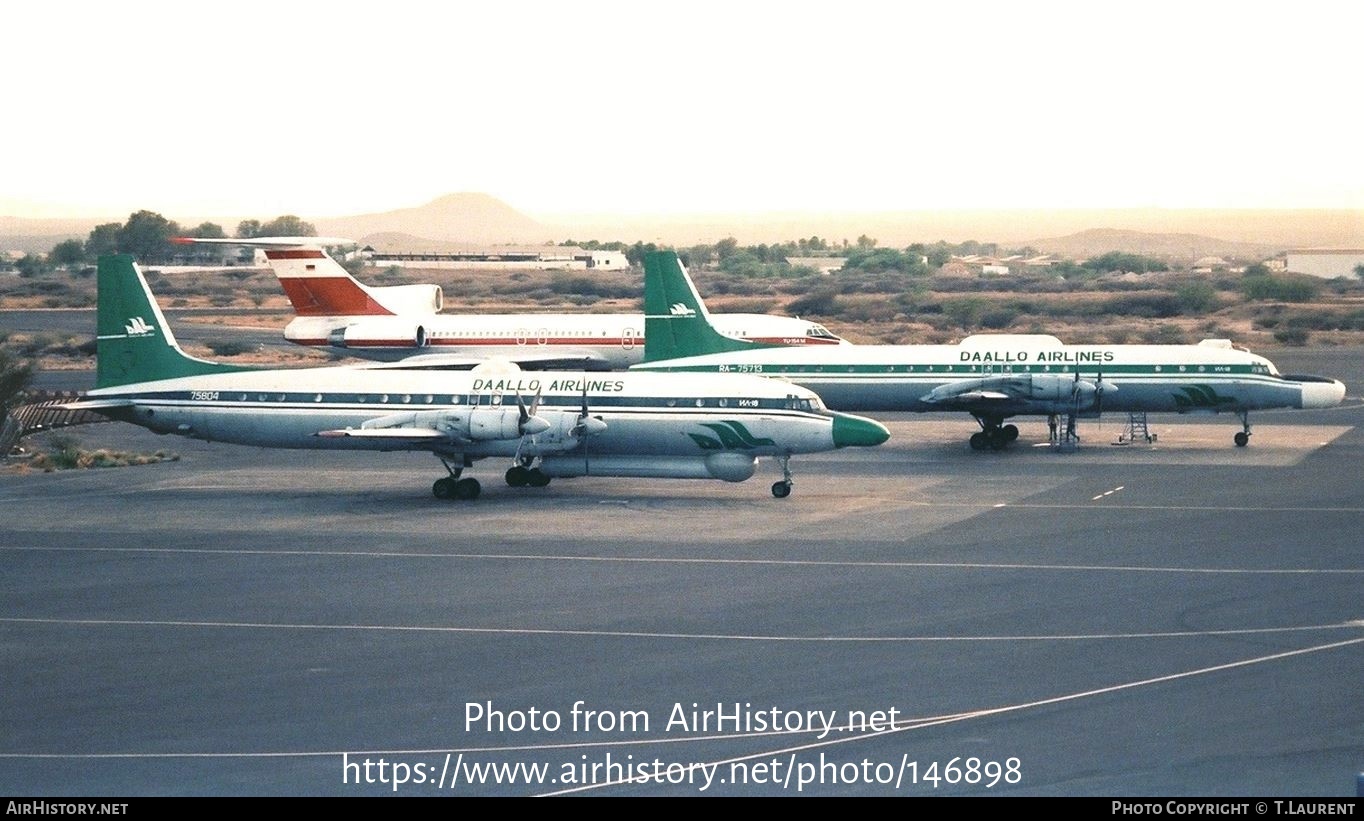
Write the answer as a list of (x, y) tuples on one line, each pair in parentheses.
[(1059, 393), (467, 424), (1026, 393)]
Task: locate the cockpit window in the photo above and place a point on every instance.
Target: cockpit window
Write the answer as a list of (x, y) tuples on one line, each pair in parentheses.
[(820, 332)]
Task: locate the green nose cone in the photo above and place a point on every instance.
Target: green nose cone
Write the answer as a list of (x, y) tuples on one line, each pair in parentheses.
[(858, 431)]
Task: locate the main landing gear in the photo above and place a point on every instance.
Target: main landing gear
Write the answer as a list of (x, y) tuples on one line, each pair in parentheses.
[(452, 487), (522, 476), (1242, 438), (993, 435)]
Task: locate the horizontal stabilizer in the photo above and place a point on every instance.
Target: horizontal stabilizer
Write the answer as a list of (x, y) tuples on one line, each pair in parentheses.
[(96, 404), (267, 242)]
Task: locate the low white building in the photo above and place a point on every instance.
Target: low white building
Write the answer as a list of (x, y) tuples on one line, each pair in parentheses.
[(546, 258), (825, 265), (1327, 263)]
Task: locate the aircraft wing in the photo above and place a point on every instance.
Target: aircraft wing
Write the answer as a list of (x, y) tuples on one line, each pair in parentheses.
[(390, 434), (971, 397), (1020, 393)]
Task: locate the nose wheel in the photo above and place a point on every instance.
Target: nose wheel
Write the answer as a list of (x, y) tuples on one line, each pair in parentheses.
[(782, 489)]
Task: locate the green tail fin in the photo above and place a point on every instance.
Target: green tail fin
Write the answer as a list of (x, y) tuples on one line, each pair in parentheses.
[(134, 342), (676, 323)]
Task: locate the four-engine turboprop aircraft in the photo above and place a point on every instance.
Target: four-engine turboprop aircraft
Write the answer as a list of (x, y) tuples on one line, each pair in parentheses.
[(544, 424), (403, 322), (990, 376)]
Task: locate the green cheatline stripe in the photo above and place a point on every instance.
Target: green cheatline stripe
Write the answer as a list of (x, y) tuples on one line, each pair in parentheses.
[(1165, 372)]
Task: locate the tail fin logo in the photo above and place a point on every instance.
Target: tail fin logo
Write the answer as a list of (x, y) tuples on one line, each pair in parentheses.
[(137, 326), (678, 309)]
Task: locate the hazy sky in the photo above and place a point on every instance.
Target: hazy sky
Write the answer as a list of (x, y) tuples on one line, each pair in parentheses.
[(319, 109)]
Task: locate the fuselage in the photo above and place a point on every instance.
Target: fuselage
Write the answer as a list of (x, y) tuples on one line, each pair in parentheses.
[(610, 341), (1213, 376), (645, 415)]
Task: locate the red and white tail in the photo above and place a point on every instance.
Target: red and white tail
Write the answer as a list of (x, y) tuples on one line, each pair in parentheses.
[(317, 285)]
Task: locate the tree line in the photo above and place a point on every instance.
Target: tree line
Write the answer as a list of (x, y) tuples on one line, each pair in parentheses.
[(147, 236)]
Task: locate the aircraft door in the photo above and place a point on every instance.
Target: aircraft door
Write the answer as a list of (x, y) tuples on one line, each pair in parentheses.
[(627, 338), (541, 336)]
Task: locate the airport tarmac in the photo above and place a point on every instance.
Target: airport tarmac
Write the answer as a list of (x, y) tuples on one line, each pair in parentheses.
[(1182, 618)]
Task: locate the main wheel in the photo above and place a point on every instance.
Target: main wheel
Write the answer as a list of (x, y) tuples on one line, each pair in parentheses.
[(536, 478), (517, 476), (979, 441), (1010, 432), (443, 488), (999, 438), (467, 489), (781, 489), (1242, 439)]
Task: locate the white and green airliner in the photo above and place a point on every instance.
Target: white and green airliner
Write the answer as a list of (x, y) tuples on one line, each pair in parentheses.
[(544, 424), (990, 376)]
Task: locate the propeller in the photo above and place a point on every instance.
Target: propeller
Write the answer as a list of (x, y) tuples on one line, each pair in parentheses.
[(529, 424), (587, 425)]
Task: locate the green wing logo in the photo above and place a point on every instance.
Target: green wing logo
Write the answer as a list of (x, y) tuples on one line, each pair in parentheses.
[(729, 435), (1200, 396)]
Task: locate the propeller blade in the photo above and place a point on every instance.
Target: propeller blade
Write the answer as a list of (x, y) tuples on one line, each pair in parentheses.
[(587, 425)]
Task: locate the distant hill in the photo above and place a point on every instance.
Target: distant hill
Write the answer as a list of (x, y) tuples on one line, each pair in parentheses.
[(37, 236), (1010, 228), (1174, 247), (454, 218), (472, 219)]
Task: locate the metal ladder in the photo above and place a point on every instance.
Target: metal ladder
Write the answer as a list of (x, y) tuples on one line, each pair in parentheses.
[(1136, 428)]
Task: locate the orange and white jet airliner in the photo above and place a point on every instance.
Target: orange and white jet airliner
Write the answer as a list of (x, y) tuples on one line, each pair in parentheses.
[(404, 322)]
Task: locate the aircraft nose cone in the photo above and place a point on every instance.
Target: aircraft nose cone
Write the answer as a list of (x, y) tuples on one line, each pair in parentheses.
[(858, 431), (1324, 394)]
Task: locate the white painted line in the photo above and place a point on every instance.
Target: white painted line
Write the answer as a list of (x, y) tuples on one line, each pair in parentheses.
[(1013, 708), (644, 634), (370, 554)]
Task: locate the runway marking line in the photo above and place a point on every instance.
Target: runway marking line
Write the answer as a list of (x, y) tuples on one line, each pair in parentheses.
[(1354, 624), (550, 557), (994, 711)]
